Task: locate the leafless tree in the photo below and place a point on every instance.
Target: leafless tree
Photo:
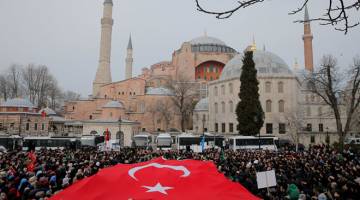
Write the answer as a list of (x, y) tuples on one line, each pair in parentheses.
[(14, 80), (55, 95), (29, 78), (336, 12), (153, 111), (38, 84), (337, 91), (295, 122), (70, 96), (165, 109), (4, 88), (184, 95)]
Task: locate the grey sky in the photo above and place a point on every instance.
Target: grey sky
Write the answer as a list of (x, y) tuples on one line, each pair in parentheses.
[(65, 34)]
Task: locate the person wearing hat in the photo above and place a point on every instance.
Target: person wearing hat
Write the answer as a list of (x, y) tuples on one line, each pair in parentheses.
[(293, 192)]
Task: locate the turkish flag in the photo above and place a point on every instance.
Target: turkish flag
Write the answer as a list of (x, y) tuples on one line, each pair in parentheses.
[(157, 179)]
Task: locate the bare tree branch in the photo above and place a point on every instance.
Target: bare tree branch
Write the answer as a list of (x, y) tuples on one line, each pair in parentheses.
[(336, 12)]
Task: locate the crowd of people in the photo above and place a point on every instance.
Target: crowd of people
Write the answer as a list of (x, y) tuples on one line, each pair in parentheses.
[(318, 173)]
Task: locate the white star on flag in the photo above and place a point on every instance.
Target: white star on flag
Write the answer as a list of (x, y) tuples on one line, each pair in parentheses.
[(158, 188)]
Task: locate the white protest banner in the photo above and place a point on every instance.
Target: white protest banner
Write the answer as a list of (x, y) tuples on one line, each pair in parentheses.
[(266, 179)]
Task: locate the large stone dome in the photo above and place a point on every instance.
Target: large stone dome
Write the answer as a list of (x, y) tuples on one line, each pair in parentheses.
[(18, 102), (266, 63), (207, 40)]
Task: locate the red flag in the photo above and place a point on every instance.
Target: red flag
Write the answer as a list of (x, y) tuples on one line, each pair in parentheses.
[(107, 136), (158, 179), (43, 114), (31, 165)]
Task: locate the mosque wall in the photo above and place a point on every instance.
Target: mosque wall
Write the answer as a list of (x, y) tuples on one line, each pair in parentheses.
[(278, 97), (156, 113), (84, 109), (128, 130), (24, 124)]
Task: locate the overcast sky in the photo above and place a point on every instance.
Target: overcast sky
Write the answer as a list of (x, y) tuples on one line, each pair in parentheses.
[(65, 34)]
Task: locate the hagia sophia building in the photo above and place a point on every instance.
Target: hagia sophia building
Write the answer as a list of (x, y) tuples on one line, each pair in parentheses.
[(139, 103)]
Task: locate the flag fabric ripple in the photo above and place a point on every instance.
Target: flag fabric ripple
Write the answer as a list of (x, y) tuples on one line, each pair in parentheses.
[(157, 179)]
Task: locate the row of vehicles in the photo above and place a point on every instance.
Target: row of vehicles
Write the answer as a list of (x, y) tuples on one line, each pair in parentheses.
[(36, 143), (163, 141), (197, 143)]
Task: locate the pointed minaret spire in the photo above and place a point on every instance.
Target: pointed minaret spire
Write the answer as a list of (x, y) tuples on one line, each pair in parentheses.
[(129, 60), (103, 73), (129, 43), (308, 37), (306, 15)]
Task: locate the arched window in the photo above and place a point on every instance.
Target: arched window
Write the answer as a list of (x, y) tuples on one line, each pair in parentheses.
[(216, 108), (268, 87), (223, 89), (223, 107), (280, 87), (268, 106), (231, 107), (90, 117), (231, 88), (215, 91), (281, 106)]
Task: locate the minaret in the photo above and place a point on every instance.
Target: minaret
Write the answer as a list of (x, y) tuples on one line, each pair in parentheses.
[(103, 74), (308, 37), (129, 60)]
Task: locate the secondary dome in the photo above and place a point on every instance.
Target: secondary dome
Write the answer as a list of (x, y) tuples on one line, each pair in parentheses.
[(202, 105), (18, 102), (265, 62), (207, 40), (113, 104), (48, 111)]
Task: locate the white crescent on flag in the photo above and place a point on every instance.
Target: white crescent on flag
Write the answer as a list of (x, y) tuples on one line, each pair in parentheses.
[(132, 171)]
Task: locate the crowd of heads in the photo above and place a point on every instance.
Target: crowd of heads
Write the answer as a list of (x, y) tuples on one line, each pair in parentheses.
[(318, 173)]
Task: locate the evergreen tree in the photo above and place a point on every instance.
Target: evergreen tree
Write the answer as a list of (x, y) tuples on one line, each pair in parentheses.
[(249, 112)]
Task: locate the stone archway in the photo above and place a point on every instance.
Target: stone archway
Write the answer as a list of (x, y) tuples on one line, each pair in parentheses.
[(120, 138)]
